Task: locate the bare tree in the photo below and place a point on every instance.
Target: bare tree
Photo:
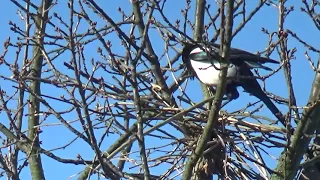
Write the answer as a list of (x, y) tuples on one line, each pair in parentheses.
[(105, 81)]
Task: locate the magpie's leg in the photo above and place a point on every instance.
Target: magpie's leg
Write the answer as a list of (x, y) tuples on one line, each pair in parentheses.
[(212, 90), (231, 93)]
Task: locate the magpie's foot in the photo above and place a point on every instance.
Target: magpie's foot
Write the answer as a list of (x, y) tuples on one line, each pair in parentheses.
[(226, 102)]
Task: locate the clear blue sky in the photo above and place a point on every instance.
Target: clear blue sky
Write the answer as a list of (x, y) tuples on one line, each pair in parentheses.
[(250, 39)]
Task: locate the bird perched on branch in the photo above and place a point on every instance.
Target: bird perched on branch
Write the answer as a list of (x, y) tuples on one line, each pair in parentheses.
[(202, 61)]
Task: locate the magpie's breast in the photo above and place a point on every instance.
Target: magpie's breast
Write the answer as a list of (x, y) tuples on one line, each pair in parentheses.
[(208, 73)]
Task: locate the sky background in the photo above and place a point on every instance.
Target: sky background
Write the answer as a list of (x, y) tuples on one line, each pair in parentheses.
[(250, 39)]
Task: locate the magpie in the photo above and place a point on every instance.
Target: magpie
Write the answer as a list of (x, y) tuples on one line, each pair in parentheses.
[(202, 61)]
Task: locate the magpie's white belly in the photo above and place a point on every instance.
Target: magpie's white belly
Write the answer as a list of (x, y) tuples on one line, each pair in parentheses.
[(209, 74)]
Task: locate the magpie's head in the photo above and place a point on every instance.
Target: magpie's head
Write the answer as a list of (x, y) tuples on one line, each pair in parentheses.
[(187, 49)]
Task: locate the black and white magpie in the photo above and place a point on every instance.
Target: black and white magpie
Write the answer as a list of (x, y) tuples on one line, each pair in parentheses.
[(202, 61)]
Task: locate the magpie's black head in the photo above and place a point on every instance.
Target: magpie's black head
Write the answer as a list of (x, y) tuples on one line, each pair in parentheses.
[(188, 47)]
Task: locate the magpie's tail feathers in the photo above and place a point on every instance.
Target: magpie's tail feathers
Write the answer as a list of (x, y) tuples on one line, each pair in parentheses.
[(273, 108), (253, 87), (256, 90), (257, 65), (259, 60), (267, 60)]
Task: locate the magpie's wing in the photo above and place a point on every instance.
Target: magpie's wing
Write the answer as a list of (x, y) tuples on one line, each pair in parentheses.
[(237, 53), (202, 52), (200, 56), (251, 85), (239, 57)]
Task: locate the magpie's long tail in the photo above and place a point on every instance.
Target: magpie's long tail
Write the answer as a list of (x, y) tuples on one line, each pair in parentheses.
[(266, 100), (252, 86)]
